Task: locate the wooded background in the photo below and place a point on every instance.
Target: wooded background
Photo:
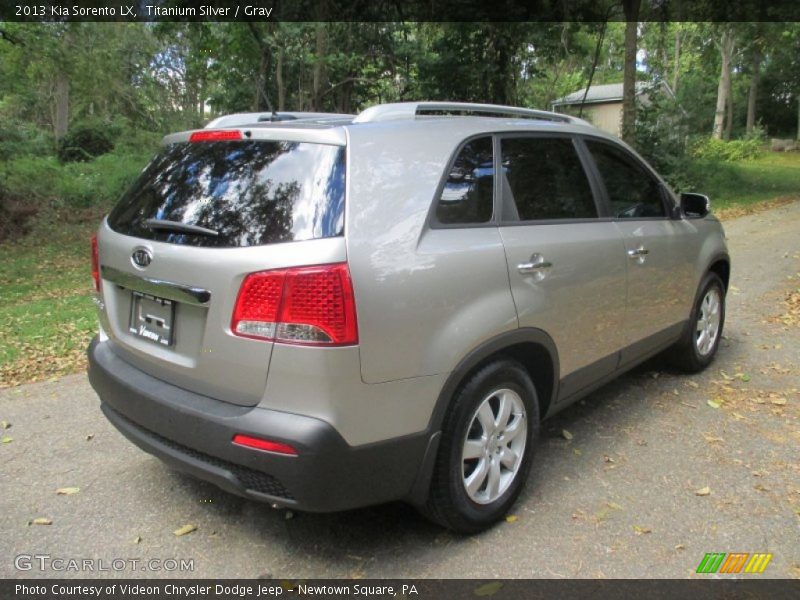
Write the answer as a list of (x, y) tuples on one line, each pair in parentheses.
[(79, 91), (83, 107)]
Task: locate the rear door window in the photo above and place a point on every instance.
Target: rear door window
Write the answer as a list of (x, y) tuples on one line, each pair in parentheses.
[(543, 179), (251, 193)]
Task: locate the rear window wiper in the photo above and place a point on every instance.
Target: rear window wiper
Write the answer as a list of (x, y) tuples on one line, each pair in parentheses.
[(179, 227)]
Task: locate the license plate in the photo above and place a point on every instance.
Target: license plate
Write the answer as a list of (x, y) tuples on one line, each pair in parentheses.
[(152, 318)]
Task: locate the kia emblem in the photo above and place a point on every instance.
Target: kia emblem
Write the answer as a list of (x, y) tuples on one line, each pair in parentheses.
[(141, 258)]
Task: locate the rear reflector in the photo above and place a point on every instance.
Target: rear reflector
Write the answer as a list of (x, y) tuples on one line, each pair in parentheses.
[(305, 305), (266, 445), (95, 264), (216, 135)]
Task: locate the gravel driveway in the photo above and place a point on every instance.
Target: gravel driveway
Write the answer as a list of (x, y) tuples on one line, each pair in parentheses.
[(652, 477)]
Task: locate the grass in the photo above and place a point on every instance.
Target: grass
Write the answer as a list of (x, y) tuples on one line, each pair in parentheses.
[(746, 183), (47, 316), (46, 313)]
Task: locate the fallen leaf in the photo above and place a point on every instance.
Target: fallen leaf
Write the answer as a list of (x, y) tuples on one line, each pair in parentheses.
[(715, 403), (778, 401), (6, 440), (703, 491), (614, 505), (761, 488), (797, 510), (288, 515), (184, 530), (680, 547), (511, 518), (742, 377), (576, 451), (693, 384), (137, 539), (725, 375), (42, 521), (608, 459), (89, 437), (566, 434), (4, 424), (641, 530), (712, 439), (489, 589), (67, 491)]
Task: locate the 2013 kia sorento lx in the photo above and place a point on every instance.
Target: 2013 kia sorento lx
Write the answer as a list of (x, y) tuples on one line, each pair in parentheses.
[(326, 311)]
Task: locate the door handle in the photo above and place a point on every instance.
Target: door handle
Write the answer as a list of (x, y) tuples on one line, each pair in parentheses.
[(640, 251), (537, 265)]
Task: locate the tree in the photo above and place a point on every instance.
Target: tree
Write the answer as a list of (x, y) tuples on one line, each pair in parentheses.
[(724, 99), (631, 12)]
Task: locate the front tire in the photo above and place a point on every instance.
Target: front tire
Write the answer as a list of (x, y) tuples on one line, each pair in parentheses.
[(698, 346), (486, 449)]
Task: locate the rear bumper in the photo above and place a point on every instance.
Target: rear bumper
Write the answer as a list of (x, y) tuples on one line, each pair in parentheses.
[(193, 433)]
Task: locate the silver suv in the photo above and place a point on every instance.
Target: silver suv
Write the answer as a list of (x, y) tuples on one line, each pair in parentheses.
[(325, 312)]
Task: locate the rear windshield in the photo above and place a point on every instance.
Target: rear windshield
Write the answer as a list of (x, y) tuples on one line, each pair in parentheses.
[(250, 192)]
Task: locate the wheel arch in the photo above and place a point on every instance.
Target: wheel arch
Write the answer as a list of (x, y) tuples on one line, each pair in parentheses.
[(533, 348), (721, 265)]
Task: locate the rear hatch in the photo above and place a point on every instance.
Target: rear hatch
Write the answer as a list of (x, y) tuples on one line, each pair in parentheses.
[(202, 216)]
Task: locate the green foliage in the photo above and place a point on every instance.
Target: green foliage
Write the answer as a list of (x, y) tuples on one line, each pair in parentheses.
[(46, 182), (661, 134), (732, 151), (23, 139), (85, 142)]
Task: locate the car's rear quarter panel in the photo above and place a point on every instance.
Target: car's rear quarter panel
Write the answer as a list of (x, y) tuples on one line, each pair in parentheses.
[(425, 297)]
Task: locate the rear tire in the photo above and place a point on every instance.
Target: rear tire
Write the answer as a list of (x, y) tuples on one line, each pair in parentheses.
[(486, 449), (698, 346)]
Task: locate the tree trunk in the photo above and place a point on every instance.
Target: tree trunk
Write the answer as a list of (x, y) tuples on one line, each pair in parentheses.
[(729, 113), (631, 9), (726, 52), (319, 66), (753, 92), (262, 97), (500, 77), (676, 59), (61, 98), (279, 81), (596, 58)]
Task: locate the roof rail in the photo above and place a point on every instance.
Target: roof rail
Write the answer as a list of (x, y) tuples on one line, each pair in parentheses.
[(411, 110)]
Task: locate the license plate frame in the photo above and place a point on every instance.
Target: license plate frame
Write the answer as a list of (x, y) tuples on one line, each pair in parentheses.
[(152, 318)]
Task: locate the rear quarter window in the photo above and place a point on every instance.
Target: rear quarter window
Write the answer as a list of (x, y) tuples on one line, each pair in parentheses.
[(468, 192), (251, 193)]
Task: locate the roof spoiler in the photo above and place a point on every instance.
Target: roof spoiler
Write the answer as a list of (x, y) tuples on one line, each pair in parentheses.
[(251, 118)]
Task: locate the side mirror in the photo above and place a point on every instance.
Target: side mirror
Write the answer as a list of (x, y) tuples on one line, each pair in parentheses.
[(695, 206)]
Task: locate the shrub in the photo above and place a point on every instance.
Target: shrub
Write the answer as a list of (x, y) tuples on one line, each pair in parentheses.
[(85, 142), (100, 182), (732, 151), (661, 139), (23, 139)]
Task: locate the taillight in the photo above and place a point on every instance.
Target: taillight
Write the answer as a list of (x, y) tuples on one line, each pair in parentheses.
[(305, 305), (95, 264), (266, 445), (216, 135)]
